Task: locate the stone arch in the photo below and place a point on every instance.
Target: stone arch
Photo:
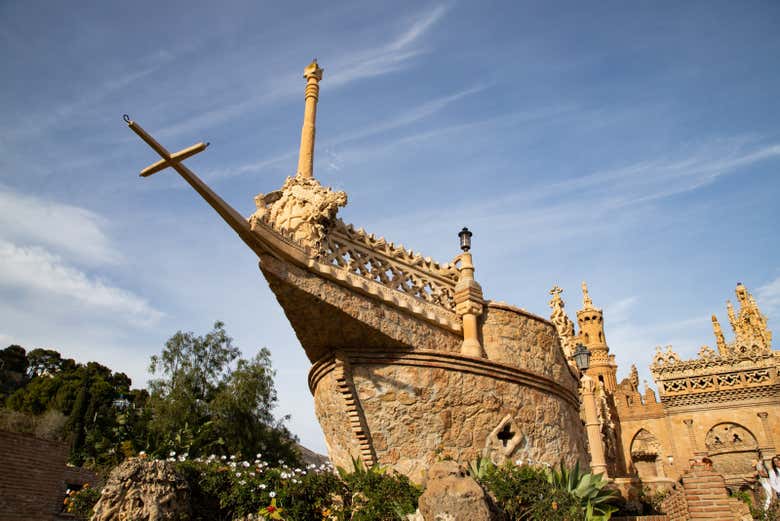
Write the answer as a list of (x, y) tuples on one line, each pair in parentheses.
[(731, 447), (646, 455)]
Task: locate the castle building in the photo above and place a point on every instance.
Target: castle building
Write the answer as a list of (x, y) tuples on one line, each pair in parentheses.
[(723, 405)]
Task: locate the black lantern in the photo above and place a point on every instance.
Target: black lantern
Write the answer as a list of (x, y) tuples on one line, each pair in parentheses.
[(465, 239), (582, 357)]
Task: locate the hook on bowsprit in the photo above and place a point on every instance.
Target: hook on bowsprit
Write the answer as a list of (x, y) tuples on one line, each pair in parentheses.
[(126, 118)]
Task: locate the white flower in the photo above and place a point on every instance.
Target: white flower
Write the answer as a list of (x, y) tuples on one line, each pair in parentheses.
[(245, 464), (223, 458), (242, 482), (262, 486), (238, 474), (258, 455), (272, 494), (142, 453), (172, 454), (232, 458)]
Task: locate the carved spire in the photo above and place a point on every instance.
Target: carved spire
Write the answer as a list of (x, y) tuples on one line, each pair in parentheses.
[(719, 338), (587, 303), (634, 377), (732, 316), (313, 75), (750, 327)]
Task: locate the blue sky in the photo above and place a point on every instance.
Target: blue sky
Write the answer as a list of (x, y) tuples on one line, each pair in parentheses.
[(635, 146)]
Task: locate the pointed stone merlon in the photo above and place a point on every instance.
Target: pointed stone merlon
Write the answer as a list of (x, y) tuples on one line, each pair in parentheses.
[(313, 75), (598, 464), (469, 305)]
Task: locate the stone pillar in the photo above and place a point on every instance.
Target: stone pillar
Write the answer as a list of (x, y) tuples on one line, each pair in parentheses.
[(692, 438), (767, 448), (469, 305), (313, 75), (598, 464)]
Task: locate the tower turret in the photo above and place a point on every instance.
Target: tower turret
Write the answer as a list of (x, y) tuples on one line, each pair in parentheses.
[(603, 367)]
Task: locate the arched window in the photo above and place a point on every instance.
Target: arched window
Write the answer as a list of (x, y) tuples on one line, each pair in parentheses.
[(731, 447)]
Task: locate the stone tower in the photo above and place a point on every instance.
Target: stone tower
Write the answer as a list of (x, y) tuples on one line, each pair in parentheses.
[(603, 367)]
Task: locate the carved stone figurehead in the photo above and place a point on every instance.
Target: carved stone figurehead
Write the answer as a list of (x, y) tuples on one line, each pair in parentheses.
[(302, 210)]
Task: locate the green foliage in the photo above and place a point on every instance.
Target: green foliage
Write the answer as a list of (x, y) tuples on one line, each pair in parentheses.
[(224, 490), (55, 387), (595, 499), (479, 468), (757, 511), (377, 495), (525, 493), (201, 405), (13, 369)]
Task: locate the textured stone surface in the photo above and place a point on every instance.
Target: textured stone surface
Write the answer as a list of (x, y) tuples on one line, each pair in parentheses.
[(452, 495), (416, 396), (141, 490)]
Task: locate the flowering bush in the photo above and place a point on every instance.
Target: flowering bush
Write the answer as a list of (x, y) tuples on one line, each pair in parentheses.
[(81, 502), (226, 488)]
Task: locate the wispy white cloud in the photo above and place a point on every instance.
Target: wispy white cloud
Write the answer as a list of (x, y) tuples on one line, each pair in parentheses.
[(404, 119), (67, 229), (769, 297), (390, 57), (33, 269), (348, 67), (689, 170)]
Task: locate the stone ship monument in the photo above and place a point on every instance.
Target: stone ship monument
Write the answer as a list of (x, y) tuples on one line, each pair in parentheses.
[(410, 363)]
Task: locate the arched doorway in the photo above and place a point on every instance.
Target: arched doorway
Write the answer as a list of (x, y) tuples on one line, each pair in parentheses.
[(646, 455)]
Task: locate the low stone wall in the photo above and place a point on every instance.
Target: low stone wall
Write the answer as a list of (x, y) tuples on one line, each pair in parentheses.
[(703, 496), (34, 477)]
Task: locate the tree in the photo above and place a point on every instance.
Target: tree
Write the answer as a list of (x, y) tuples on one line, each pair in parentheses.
[(201, 405), (243, 411), (13, 369), (85, 393)]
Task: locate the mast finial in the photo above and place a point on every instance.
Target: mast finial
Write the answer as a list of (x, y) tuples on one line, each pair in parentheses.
[(313, 75)]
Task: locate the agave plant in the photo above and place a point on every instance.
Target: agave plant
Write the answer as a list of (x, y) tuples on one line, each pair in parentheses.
[(591, 490), (480, 467)]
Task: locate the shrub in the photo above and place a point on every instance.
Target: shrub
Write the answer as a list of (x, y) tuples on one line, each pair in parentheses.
[(376, 495), (224, 489), (524, 492), (80, 503)]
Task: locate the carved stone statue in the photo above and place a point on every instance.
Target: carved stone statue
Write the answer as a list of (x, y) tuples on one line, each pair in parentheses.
[(302, 210), (563, 325)]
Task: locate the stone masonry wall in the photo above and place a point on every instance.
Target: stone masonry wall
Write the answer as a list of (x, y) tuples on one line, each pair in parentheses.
[(419, 414), (34, 476)]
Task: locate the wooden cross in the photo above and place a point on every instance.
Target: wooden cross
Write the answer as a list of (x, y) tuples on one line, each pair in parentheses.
[(168, 159), (227, 212)]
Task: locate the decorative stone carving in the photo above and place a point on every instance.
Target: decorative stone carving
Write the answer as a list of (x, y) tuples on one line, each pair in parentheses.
[(505, 441), (662, 358), (706, 352), (302, 210), (645, 446), (392, 266), (727, 436), (563, 325), (143, 490), (634, 378), (749, 325)]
